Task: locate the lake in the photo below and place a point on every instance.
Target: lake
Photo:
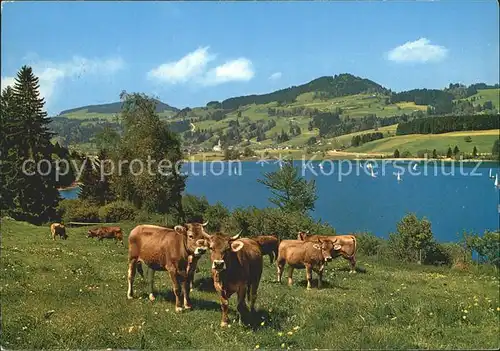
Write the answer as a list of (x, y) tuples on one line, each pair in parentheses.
[(454, 199)]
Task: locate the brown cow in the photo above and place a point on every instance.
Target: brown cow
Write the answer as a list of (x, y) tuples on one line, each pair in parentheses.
[(236, 268), (347, 242), (58, 229), (106, 233), (166, 249), (305, 254), (269, 245)]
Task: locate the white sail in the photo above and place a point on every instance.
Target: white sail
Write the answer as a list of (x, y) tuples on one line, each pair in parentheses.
[(399, 177), (496, 180), (372, 174), (490, 174), (415, 167)]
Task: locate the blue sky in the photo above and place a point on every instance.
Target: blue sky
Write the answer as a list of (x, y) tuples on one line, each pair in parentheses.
[(189, 53)]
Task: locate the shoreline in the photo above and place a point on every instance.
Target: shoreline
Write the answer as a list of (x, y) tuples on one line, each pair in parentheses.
[(70, 187)]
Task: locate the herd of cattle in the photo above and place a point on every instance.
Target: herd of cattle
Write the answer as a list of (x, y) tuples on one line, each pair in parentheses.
[(237, 263)]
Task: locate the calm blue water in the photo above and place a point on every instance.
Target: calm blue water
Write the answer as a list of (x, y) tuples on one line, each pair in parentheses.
[(358, 202)]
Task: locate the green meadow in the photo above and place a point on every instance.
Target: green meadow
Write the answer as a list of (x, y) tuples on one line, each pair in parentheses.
[(72, 294)]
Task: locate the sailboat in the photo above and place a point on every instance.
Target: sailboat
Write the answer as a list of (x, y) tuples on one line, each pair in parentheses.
[(399, 177), (415, 167), (496, 181), (491, 176), (372, 174)]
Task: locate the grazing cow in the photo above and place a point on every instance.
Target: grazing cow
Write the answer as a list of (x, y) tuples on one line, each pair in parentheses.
[(166, 249), (58, 229), (236, 268), (269, 246), (347, 242), (106, 233), (305, 254)]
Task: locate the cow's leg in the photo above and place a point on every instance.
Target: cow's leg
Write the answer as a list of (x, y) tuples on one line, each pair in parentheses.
[(132, 263), (281, 265), (271, 258), (150, 274), (352, 261), (177, 289), (185, 291), (320, 276), (290, 274), (308, 276), (224, 304), (242, 306), (253, 295)]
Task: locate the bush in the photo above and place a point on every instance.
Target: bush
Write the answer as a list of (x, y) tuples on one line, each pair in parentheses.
[(117, 211), (369, 244), (194, 207), (412, 239), (272, 221), (216, 215), (424, 153), (76, 210), (448, 254), (487, 246), (406, 154)]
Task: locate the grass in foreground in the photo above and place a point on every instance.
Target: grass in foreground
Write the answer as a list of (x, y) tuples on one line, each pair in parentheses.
[(72, 294)]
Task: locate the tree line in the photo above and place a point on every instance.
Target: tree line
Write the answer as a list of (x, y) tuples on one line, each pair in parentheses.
[(358, 140), (445, 124)]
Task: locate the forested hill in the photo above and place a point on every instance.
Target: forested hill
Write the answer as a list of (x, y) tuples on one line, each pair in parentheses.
[(327, 87), (115, 107)]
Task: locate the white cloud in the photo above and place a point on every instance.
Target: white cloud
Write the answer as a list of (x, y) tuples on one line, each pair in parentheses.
[(51, 74), (420, 50), (235, 70), (194, 67), (188, 67), (275, 76)]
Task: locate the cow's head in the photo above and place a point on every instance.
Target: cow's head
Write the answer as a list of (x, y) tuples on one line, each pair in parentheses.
[(302, 235), (327, 248), (197, 238), (220, 247)]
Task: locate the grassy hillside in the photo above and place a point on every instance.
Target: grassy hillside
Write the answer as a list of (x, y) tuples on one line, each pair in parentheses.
[(72, 294), (484, 95), (483, 140)]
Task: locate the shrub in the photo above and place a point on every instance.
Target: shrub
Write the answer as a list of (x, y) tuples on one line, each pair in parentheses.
[(216, 215), (76, 210), (194, 207), (412, 238), (448, 254), (117, 211), (272, 221), (406, 154), (369, 244)]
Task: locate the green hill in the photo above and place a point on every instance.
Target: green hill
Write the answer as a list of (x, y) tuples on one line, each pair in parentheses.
[(106, 111), (284, 118)]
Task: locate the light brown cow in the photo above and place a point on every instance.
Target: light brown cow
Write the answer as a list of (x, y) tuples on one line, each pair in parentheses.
[(269, 245), (305, 254), (236, 268), (347, 242), (58, 229), (166, 249), (106, 233)]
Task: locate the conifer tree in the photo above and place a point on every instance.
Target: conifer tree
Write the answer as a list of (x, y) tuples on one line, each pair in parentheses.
[(34, 193)]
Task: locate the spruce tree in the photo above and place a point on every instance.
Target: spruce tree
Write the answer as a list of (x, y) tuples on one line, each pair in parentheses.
[(456, 150), (434, 153), (89, 189), (35, 196), (449, 153), (474, 152)]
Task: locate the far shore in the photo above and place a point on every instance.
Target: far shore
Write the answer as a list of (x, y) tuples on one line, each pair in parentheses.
[(70, 187)]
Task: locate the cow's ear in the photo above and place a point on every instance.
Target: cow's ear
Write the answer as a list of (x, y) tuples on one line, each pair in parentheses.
[(317, 247), (337, 247), (180, 229), (237, 245)]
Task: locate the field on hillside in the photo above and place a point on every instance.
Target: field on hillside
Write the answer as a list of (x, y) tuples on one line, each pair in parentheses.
[(484, 95), (72, 294), (483, 140)]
